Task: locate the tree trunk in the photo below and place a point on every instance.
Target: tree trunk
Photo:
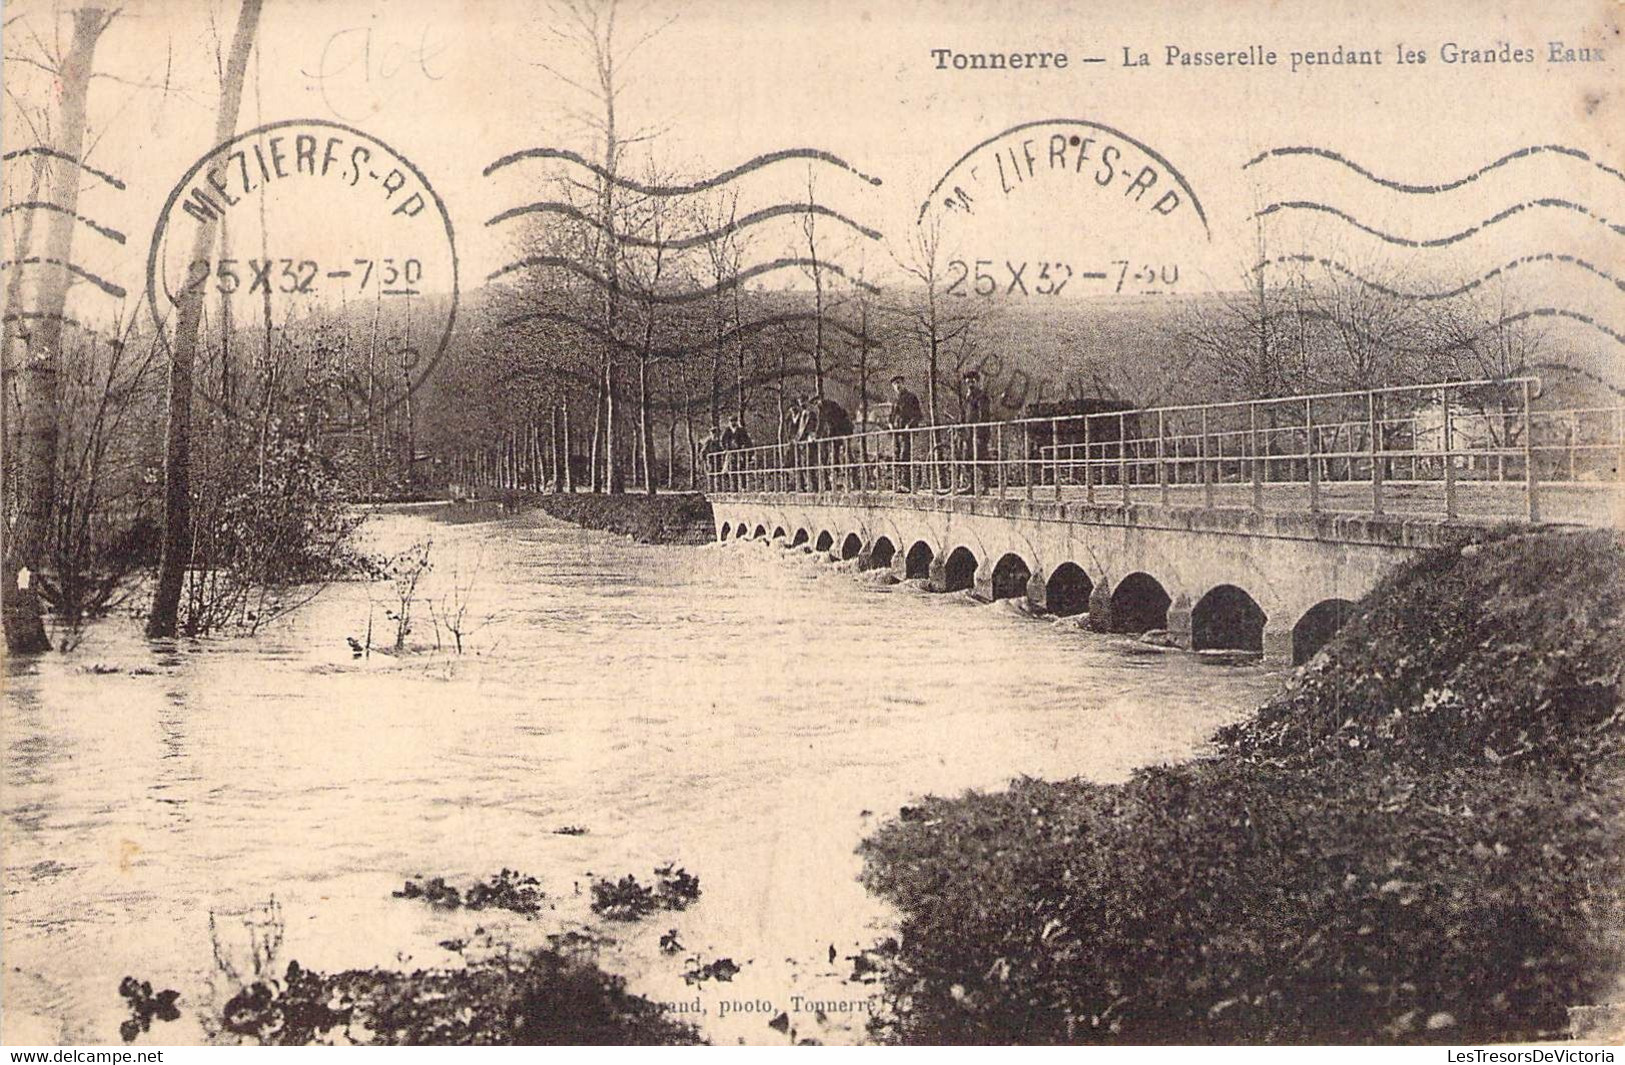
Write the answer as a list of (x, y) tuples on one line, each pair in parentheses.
[(176, 552), (671, 454), (569, 481), (594, 467), (36, 482), (646, 431)]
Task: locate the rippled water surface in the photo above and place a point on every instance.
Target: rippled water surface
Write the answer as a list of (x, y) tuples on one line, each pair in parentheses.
[(748, 713)]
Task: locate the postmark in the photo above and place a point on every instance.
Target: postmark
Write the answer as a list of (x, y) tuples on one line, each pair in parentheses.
[(1047, 212), (331, 277), (1064, 207)]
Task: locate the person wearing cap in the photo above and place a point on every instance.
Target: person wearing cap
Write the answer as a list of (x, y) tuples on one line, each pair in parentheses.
[(905, 415), (979, 435)]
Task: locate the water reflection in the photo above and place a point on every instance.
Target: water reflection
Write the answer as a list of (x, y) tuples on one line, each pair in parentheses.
[(744, 711)]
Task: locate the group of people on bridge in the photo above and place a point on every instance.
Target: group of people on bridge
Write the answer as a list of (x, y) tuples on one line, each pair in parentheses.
[(816, 448)]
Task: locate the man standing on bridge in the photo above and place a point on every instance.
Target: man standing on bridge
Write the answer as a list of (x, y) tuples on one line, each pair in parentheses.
[(905, 415), (978, 434)]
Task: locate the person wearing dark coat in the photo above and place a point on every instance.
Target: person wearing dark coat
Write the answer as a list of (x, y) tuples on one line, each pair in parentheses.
[(826, 420), (905, 415), (979, 435)]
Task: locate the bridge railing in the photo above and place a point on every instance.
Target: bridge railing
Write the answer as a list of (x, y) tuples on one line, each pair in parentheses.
[(1471, 448)]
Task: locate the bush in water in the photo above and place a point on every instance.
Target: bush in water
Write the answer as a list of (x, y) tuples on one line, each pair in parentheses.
[(508, 890), (628, 900)]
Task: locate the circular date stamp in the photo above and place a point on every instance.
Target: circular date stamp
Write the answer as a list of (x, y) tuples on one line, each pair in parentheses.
[(320, 264)]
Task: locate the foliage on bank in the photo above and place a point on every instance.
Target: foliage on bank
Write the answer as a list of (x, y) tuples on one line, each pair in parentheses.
[(1419, 841), (662, 519), (541, 997)]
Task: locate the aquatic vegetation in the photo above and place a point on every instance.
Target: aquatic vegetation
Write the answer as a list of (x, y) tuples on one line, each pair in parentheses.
[(535, 998), (623, 900), (246, 947), (628, 900), (145, 1007), (723, 969), (508, 890), (676, 888)]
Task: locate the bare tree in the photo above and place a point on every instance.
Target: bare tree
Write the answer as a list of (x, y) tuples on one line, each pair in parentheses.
[(647, 270), (589, 29), (25, 631), (176, 548), (723, 256), (934, 320)]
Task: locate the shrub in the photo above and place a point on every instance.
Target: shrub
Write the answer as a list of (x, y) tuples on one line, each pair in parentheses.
[(539, 998), (628, 900), (508, 890), (1224, 902)]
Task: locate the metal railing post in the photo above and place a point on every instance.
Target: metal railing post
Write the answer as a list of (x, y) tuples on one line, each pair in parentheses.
[(1162, 454), (1088, 465), (1375, 432), (1003, 463), (1309, 450), (1207, 474), (1027, 464), (1055, 452), (1257, 472), (1122, 454), (1448, 446), (1531, 480)]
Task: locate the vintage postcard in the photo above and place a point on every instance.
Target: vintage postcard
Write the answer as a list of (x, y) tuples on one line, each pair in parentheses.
[(813, 522)]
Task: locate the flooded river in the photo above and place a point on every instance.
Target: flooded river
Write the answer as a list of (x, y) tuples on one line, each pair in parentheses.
[(747, 713)]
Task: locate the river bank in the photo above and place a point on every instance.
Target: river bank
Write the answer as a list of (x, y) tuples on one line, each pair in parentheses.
[(668, 518), (1417, 840)]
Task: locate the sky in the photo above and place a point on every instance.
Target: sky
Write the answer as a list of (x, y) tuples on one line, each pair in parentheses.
[(452, 87)]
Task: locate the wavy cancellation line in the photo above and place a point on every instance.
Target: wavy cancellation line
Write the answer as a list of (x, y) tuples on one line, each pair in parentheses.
[(1437, 242), (767, 159), (689, 296), (747, 329), (1504, 320), (756, 379), (53, 153), (116, 291), (1400, 186), (684, 243), (42, 205), (1443, 294)]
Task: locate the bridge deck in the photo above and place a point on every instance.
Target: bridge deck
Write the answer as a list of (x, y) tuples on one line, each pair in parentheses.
[(1477, 503)]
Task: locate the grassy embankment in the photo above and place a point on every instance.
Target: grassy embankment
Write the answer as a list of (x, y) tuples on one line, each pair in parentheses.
[(1418, 840), (676, 518)]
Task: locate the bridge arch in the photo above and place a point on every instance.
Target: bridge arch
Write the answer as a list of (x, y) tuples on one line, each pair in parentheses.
[(881, 553), (760, 533), (918, 561), (1227, 618), (1010, 576), (1067, 591), (825, 541), (800, 537), (1139, 604), (1317, 627), (851, 546), (722, 533), (959, 570)]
